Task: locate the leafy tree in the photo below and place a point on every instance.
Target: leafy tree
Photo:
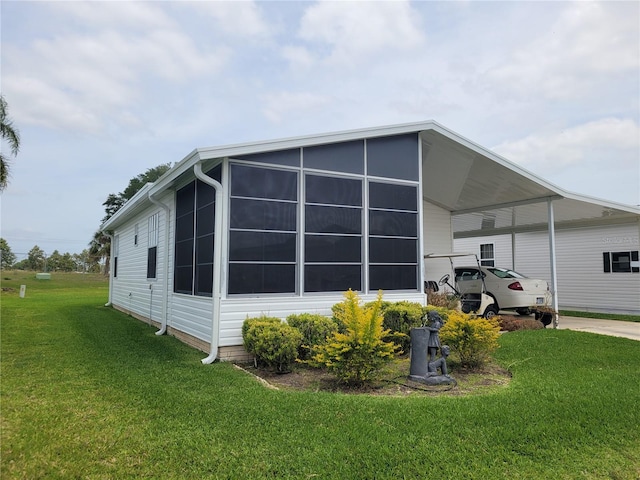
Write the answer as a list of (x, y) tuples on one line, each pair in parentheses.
[(11, 135), (36, 259), (85, 262), (22, 265), (54, 260), (7, 257), (100, 244), (115, 201), (58, 262)]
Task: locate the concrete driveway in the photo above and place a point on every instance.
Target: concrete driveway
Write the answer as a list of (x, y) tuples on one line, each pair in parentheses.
[(615, 328)]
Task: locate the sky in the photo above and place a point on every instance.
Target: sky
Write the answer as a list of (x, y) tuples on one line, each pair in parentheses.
[(103, 91)]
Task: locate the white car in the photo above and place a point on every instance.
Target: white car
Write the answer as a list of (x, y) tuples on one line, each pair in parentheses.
[(511, 290)]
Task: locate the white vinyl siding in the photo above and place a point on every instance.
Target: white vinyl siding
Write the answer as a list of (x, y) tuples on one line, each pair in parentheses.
[(437, 238), (130, 290)]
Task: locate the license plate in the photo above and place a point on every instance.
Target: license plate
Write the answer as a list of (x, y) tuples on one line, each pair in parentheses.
[(539, 300)]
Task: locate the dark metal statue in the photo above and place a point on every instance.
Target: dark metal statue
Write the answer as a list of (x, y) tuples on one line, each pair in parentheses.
[(425, 343)]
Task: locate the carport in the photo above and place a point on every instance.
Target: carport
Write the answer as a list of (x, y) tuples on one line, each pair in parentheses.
[(486, 195)]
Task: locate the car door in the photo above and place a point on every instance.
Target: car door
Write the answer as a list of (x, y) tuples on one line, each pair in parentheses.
[(468, 280)]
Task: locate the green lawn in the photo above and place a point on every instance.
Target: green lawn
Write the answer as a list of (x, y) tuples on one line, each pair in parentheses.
[(88, 392)]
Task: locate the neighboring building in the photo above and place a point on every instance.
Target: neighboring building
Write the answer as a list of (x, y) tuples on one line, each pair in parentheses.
[(598, 268), (286, 226)]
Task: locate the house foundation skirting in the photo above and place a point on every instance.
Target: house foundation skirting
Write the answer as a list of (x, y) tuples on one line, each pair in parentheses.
[(234, 353)]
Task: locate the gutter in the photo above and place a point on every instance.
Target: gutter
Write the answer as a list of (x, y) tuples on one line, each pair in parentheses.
[(165, 267), (217, 250), (109, 299)]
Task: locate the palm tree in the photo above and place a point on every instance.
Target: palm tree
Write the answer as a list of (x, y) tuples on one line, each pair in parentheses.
[(12, 137), (100, 248)]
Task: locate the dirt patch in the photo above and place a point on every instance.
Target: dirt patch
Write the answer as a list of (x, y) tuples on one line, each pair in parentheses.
[(392, 382)]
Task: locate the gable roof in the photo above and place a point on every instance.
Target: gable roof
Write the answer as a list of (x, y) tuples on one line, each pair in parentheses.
[(484, 192)]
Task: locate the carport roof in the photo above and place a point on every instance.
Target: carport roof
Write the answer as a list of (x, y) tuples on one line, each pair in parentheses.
[(484, 192)]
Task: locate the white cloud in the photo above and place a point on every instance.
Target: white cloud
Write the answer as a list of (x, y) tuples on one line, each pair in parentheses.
[(239, 18), (347, 33), (286, 105), (612, 138), (125, 14), (92, 76), (568, 60)]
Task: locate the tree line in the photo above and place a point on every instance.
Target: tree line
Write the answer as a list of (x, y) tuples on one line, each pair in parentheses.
[(38, 260)]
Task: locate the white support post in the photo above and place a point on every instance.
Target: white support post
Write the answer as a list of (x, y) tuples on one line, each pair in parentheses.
[(552, 260)]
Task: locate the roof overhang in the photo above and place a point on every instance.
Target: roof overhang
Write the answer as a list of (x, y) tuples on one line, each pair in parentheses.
[(484, 192)]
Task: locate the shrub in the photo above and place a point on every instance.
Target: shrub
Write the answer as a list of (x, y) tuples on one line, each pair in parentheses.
[(473, 338), (511, 323), (356, 355), (400, 318), (444, 300), (248, 340), (314, 329), (274, 344)]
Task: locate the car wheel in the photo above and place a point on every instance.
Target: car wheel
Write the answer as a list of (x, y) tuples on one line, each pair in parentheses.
[(546, 318), (490, 312), (523, 311)]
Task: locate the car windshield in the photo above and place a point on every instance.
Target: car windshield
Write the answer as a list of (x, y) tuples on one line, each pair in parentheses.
[(504, 273)]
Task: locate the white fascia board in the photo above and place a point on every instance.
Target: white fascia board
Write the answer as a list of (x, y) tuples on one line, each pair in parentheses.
[(602, 203), (309, 140), (178, 169)]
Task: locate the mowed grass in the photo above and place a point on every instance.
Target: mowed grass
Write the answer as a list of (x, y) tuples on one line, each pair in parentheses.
[(88, 392)]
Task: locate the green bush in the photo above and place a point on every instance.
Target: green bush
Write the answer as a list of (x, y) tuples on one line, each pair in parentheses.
[(356, 355), (314, 329), (472, 338), (400, 318), (249, 340), (274, 345)]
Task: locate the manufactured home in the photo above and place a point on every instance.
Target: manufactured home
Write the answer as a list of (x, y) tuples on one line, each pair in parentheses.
[(286, 226)]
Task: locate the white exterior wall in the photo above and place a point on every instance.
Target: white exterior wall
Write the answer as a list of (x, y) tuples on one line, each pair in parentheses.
[(235, 310), (437, 238), (131, 290), (582, 283), (192, 315), (501, 250)]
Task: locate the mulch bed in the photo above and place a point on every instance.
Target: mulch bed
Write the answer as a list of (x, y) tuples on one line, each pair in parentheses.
[(392, 382)]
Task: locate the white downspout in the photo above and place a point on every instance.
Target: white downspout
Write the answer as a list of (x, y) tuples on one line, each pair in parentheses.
[(165, 268), (217, 259), (552, 258), (109, 300)]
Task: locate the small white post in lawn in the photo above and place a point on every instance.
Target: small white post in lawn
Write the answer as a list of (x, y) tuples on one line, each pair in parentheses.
[(23, 290)]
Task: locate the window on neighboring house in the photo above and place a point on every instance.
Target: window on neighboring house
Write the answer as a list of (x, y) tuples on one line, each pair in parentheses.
[(393, 236), (116, 251), (152, 245), (487, 255), (263, 230), (621, 262), (333, 234), (194, 237)]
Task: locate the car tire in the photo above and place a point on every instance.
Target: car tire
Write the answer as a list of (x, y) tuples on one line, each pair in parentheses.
[(490, 312)]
